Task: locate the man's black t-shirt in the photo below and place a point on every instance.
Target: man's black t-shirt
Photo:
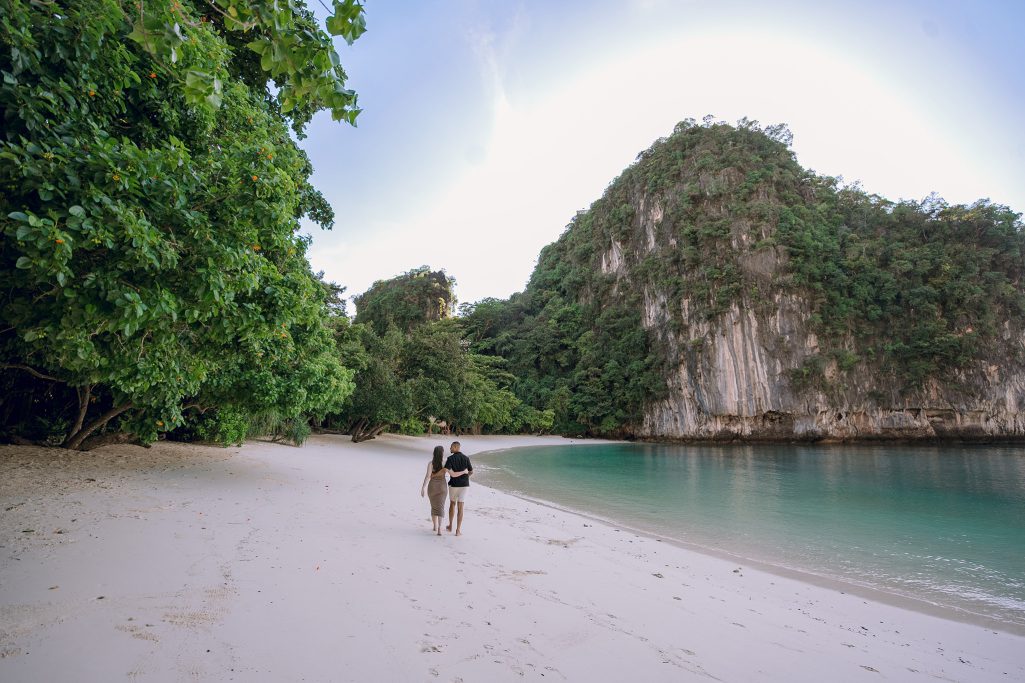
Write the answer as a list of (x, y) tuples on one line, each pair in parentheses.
[(456, 462)]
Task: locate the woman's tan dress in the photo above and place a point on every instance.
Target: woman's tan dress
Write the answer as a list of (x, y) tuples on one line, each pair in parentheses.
[(437, 491)]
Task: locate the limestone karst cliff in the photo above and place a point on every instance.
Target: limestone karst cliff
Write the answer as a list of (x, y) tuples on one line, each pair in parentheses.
[(418, 296), (718, 290)]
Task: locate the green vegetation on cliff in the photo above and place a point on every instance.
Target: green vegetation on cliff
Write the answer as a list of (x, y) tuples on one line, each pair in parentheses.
[(919, 289), (718, 217), (573, 349), (408, 300)]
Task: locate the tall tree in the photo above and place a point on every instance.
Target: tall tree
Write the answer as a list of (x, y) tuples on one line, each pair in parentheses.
[(151, 198), (382, 397)]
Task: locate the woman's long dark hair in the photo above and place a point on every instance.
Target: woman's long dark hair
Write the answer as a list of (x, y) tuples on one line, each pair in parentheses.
[(438, 452)]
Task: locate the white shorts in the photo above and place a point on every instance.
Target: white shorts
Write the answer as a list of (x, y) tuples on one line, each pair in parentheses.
[(457, 494)]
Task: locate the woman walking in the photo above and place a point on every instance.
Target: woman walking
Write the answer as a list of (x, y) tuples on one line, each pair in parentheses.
[(436, 488)]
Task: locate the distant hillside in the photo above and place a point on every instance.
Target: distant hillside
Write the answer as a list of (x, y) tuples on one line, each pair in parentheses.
[(414, 371), (719, 290), (408, 300)]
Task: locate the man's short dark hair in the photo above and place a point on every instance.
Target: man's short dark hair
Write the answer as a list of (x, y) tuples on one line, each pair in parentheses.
[(455, 445)]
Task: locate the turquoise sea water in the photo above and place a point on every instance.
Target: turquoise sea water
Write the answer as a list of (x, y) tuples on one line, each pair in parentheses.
[(940, 524)]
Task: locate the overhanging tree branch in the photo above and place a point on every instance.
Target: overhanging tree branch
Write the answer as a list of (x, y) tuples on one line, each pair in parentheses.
[(31, 371)]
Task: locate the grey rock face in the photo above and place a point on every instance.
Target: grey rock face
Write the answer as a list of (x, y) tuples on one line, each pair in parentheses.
[(730, 378)]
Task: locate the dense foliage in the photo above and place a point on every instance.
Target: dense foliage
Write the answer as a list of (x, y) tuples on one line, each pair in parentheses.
[(153, 276), (716, 217), (413, 298), (574, 346), (917, 289), (414, 368)]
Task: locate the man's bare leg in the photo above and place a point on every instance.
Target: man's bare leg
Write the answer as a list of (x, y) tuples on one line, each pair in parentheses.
[(459, 519), (451, 514)]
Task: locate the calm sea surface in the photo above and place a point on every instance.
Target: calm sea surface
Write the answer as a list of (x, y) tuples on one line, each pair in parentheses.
[(941, 524)]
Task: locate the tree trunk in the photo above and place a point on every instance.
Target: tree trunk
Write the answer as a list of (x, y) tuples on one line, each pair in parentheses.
[(366, 434), (84, 395), (108, 439), (31, 371), (75, 440), (358, 426)]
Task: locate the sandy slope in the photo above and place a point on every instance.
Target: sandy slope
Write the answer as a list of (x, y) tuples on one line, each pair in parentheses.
[(272, 563)]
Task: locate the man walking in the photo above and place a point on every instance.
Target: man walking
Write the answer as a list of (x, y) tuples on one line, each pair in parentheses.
[(457, 486)]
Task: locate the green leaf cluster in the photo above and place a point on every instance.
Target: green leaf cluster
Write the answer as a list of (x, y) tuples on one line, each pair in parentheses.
[(413, 367), (922, 289), (290, 47), (406, 301), (150, 259)]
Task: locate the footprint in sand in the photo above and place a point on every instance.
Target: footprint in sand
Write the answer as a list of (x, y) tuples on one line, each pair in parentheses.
[(136, 632), (520, 573), (564, 543)]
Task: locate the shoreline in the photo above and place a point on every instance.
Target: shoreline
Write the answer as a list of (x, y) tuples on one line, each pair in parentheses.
[(836, 583), (270, 562), (833, 583), (866, 440)]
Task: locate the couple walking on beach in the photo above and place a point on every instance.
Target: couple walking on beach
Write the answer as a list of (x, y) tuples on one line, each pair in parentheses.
[(459, 469)]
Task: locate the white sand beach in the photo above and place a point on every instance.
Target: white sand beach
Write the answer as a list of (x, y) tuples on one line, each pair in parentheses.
[(274, 563)]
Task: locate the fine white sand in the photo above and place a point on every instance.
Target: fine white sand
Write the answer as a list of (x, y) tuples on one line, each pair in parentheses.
[(274, 563)]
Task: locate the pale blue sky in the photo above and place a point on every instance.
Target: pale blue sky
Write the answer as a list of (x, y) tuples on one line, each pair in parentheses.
[(487, 125)]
